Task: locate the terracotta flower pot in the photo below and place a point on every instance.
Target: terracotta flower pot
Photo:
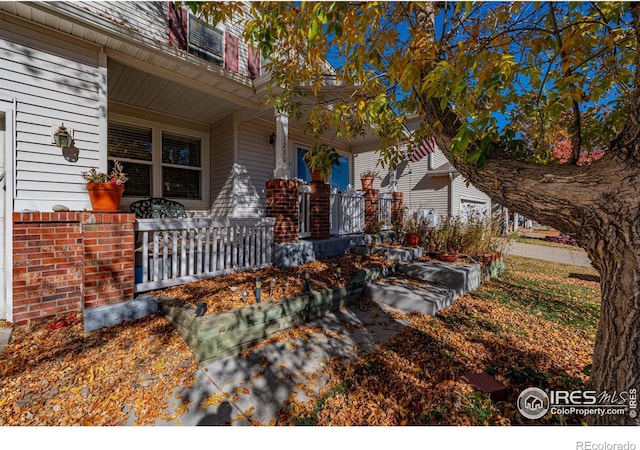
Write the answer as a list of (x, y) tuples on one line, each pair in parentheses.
[(367, 184), (447, 257), (105, 196), (316, 176), (412, 239)]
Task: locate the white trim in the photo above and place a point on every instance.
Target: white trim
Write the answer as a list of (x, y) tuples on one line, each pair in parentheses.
[(102, 106), (6, 305), (157, 128)]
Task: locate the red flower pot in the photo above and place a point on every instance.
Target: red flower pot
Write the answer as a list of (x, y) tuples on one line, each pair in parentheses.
[(447, 257), (412, 239), (367, 184), (105, 196)]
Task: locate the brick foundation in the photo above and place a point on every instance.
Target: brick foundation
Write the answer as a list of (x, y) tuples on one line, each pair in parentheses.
[(320, 225), (282, 204), (70, 261)]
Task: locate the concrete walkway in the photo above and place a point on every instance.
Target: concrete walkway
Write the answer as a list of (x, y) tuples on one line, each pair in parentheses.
[(576, 257)]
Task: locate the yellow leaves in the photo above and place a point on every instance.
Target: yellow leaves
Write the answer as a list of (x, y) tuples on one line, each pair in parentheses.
[(213, 400), (3, 400)]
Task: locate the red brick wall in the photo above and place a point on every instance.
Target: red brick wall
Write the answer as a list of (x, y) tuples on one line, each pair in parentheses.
[(397, 210), (108, 259), (64, 261), (320, 220), (371, 212), (282, 204)]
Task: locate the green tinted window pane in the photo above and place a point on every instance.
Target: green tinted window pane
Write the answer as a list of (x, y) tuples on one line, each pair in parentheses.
[(129, 142), (139, 183), (181, 150), (181, 183)]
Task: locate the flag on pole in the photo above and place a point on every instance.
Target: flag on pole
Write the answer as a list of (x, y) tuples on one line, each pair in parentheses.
[(420, 151)]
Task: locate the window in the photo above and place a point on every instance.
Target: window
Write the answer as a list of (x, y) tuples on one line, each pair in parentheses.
[(205, 41), (339, 174), (160, 162)]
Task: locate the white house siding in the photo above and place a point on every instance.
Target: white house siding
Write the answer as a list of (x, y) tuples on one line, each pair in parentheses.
[(469, 194), (420, 190), (54, 81), (255, 166), (222, 174)]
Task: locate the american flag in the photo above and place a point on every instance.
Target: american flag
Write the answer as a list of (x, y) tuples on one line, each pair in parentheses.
[(420, 151)]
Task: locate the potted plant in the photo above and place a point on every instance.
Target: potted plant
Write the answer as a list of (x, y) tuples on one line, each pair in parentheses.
[(320, 158), (366, 178), (411, 230), (105, 189), (451, 239)]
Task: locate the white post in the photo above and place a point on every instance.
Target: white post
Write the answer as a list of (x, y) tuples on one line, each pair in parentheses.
[(281, 146)]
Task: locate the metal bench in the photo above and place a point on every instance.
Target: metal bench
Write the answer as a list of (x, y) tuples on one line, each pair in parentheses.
[(159, 208)]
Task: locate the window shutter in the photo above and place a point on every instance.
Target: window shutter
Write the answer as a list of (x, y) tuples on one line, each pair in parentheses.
[(177, 27), (231, 52), (253, 62)]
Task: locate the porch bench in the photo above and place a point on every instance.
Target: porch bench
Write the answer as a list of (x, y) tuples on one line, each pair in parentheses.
[(159, 208)]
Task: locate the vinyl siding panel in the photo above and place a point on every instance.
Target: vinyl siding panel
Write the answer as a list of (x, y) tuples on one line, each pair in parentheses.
[(222, 176), (255, 166), (471, 193), (51, 88)]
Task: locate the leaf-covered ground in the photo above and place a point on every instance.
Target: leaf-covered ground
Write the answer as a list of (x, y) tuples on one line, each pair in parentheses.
[(535, 326)]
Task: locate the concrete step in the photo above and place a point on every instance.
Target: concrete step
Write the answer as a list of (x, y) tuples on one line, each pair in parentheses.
[(407, 296), (424, 287)]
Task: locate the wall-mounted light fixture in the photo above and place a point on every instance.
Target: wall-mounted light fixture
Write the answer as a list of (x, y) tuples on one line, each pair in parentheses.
[(63, 138), (272, 138)]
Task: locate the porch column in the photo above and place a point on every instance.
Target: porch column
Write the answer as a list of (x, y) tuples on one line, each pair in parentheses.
[(282, 204), (320, 210), (397, 210), (371, 213), (281, 146)]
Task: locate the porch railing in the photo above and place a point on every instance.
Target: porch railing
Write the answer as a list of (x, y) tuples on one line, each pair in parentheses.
[(176, 251), (384, 210), (304, 217), (347, 212)]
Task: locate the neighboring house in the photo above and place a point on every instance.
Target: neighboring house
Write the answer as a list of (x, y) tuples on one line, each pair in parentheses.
[(432, 182), (178, 101)]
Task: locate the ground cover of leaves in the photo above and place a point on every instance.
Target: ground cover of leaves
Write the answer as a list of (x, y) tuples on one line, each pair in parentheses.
[(225, 293), (534, 326)]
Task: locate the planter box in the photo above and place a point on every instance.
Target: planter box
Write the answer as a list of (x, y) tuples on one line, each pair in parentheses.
[(212, 337)]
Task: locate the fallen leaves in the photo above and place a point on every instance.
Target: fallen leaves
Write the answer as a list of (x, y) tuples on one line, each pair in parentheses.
[(55, 374)]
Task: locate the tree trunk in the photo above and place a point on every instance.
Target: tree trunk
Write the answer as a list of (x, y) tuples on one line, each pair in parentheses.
[(616, 357)]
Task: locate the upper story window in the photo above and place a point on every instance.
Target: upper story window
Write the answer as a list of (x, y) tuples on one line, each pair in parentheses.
[(205, 41)]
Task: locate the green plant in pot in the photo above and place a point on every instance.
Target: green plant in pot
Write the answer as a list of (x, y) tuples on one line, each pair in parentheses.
[(320, 159)]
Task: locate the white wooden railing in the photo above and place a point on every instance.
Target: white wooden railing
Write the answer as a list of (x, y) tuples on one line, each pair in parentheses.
[(384, 210), (176, 251), (304, 216), (347, 212)]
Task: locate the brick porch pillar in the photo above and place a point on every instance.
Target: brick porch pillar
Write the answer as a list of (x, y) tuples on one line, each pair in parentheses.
[(282, 204), (320, 210), (70, 261), (397, 210), (371, 213)]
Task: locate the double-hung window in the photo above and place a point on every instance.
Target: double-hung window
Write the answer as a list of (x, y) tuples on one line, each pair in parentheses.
[(160, 161)]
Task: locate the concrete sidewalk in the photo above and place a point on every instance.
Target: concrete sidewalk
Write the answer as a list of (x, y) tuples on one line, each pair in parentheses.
[(251, 390), (576, 257)]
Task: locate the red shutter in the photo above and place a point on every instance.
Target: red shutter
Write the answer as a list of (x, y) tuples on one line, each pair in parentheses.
[(231, 52), (178, 27), (253, 63)]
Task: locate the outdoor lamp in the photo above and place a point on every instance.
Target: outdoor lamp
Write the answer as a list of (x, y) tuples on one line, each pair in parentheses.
[(272, 285), (339, 273), (62, 137), (258, 289), (307, 280)]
